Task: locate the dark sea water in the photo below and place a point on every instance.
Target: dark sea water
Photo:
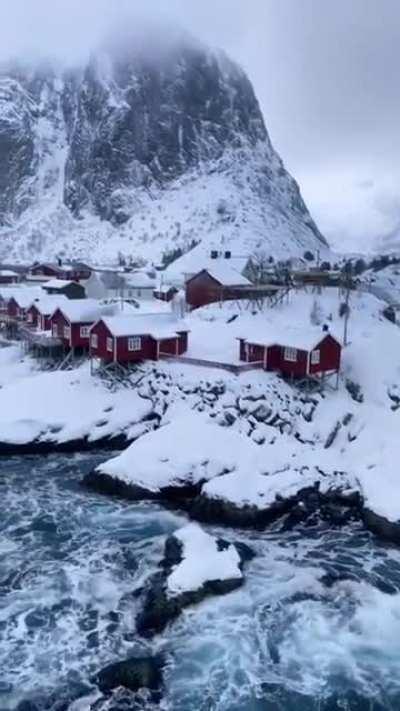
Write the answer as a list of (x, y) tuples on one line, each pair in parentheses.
[(315, 628)]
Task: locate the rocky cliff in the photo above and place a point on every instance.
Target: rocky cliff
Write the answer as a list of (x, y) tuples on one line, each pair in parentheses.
[(140, 151)]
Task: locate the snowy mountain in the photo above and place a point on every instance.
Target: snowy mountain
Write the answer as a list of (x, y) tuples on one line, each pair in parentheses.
[(140, 152)]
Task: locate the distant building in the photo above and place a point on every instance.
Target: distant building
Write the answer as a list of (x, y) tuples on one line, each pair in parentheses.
[(7, 276), (69, 271), (219, 282), (70, 289)]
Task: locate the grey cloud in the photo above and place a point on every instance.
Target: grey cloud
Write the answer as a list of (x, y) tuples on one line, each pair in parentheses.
[(326, 75)]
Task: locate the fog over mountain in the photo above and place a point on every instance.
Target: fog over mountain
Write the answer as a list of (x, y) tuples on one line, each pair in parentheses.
[(325, 76)]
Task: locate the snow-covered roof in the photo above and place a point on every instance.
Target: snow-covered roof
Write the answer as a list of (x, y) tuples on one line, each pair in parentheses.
[(58, 283), (200, 258), (46, 305), (25, 296), (8, 273), (304, 338), (84, 310), (139, 280), (156, 325), (226, 275)]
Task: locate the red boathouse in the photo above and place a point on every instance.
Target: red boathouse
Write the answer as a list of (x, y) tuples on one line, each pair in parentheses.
[(219, 283), (127, 339), (39, 313), (294, 353), (71, 322)]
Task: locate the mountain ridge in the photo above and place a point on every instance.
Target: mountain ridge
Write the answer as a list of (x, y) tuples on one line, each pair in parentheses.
[(137, 154)]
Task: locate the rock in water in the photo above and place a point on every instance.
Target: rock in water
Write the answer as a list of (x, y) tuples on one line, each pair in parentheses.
[(142, 152), (195, 566), (133, 674)]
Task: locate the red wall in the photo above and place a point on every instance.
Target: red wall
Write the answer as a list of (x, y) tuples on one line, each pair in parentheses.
[(202, 289), (148, 351), (59, 320), (34, 313), (330, 354), (12, 309), (123, 355), (45, 270)]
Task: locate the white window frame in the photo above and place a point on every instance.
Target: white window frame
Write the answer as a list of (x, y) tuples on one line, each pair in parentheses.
[(67, 332), (315, 357), (43, 323), (85, 331), (290, 355), (110, 344), (94, 340), (29, 317), (134, 344), (54, 330)]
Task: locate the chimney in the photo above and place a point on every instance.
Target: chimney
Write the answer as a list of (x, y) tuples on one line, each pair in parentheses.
[(59, 262), (325, 328), (228, 254)]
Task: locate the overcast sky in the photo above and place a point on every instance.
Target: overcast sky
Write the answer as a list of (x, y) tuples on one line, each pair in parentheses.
[(326, 74)]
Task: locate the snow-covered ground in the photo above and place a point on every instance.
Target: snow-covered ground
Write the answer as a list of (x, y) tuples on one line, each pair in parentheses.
[(250, 438), (63, 405)]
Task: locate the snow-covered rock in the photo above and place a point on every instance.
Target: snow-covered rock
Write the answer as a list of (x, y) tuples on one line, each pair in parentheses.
[(202, 560), (41, 411), (195, 566), (176, 459)]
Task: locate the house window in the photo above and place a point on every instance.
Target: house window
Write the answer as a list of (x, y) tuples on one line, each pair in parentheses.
[(315, 357), (135, 344), (67, 332), (94, 341), (290, 354), (110, 345), (54, 330), (85, 331), (30, 319)]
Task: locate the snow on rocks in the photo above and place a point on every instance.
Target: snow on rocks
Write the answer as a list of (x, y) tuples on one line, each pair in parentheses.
[(203, 559), (174, 460), (67, 410), (195, 566)]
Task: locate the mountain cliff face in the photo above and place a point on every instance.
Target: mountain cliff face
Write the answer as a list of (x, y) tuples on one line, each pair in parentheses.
[(140, 152)]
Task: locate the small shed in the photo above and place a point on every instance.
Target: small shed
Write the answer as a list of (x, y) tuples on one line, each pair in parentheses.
[(217, 283), (70, 289), (126, 339), (295, 353), (71, 322), (165, 292)]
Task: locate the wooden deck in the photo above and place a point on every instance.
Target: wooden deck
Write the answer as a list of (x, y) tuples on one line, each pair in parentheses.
[(235, 368)]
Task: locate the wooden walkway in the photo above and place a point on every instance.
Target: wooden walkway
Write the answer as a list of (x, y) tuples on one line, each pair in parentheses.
[(236, 369)]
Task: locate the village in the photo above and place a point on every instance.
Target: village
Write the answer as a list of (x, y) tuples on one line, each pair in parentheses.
[(65, 313)]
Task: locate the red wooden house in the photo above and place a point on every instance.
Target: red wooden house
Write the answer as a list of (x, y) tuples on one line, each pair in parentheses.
[(71, 322), (20, 301), (73, 271), (294, 353), (39, 313), (220, 282), (126, 339)]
